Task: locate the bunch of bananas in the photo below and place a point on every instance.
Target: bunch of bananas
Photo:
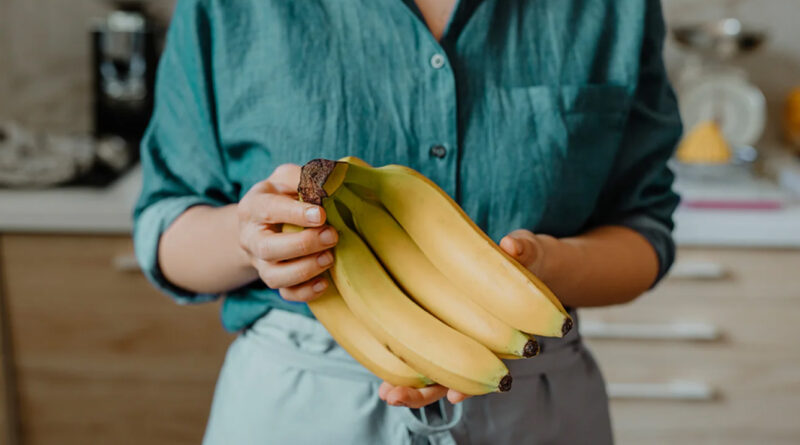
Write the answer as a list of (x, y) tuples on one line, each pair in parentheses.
[(421, 294)]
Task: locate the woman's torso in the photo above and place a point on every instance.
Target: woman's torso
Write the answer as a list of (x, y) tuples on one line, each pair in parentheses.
[(517, 113), (528, 104)]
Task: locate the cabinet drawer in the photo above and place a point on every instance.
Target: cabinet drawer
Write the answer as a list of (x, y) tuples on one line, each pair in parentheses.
[(752, 365), (749, 275), (744, 325), (100, 356), (755, 341)]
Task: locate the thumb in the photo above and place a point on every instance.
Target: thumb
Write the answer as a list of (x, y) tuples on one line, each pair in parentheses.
[(285, 178), (520, 245)]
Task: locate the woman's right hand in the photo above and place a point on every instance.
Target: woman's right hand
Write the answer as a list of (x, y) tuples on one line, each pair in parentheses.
[(289, 262)]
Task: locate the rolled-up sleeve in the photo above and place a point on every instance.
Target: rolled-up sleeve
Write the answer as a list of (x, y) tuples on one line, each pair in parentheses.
[(639, 194), (181, 160)]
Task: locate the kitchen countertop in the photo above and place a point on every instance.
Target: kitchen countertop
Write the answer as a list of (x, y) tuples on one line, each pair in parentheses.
[(737, 228), (108, 211), (755, 212), (72, 209)]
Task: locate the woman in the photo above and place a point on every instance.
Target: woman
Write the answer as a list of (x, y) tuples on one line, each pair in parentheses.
[(549, 121)]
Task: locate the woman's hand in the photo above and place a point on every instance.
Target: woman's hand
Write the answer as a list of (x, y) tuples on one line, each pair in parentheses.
[(526, 248), (605, 265), (417, 397), (289, 262)]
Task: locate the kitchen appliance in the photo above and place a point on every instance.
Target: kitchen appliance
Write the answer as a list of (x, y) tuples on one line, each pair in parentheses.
[(712, 89), (126, 46), (125, 50)]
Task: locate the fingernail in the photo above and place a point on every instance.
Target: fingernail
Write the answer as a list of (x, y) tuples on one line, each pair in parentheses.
[(325, 259), (320, 285), (327, 236), (313, 215)]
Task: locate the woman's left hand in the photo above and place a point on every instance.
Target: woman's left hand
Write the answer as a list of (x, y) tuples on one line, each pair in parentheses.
[(523, 246), (417, 397), (526, 248)]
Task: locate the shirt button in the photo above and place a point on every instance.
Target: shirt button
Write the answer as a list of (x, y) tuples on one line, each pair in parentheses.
[(439, 151), (437, 61)]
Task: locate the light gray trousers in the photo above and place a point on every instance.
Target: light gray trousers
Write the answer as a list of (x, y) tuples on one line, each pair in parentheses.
[(286, 381)]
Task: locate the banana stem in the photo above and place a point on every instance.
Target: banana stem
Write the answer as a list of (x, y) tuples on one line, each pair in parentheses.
[(362, 175), (334, 217)]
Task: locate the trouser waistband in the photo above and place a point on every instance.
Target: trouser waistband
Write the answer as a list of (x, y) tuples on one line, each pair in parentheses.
[(303, 343)]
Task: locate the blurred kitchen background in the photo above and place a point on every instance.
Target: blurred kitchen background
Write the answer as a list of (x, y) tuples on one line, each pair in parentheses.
[(91, 354)]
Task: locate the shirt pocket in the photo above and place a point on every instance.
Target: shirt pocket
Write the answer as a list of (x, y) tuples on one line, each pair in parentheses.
[(594, 98), (594, 118), (559, 144)]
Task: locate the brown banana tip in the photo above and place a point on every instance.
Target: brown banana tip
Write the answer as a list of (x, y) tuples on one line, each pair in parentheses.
[(567, 326), (505, 383), (312, 179), (530, 349)]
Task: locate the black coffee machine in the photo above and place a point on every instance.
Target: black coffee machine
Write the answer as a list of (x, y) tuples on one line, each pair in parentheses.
[(126, 46)]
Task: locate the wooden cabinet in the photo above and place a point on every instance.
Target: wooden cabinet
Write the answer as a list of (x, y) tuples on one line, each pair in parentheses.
[(752, 298), (99, 356)]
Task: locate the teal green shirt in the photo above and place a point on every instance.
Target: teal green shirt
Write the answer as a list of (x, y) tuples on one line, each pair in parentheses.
[(550, 115)]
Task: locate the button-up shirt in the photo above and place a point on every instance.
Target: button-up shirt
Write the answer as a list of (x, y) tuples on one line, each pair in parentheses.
[(550, 115)]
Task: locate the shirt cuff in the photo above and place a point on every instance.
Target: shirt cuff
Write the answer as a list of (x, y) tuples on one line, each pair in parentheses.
[(147, 230), (658, 234)]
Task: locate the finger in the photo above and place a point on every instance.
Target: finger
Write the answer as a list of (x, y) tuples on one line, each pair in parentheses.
[(400, 396), (305, 292), (294, 272), (286, 178), (285, 246), (520, 245), (456, 397), (415, 397), (425, 396), (511, 246), (384, 390), (523, 234), (274, 208)]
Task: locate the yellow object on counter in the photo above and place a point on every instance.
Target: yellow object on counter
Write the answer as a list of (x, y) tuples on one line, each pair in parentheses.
[(791, 118), (704, 144)]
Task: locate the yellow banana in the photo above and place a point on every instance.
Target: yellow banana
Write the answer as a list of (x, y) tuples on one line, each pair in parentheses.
[(355, 161), (450, 240), (507, 356), (426, 285), (443, 354), (351, 334)]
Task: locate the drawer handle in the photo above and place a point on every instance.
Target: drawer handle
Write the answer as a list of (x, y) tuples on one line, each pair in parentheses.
[(125, 262), (698, 270), (679, 330), (686, 390)]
